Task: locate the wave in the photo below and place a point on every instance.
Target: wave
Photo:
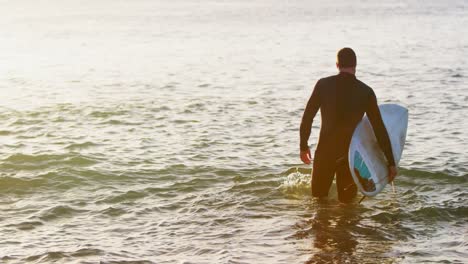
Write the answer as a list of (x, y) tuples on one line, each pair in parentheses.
[(120, 122), (58, 180), (79, 146), (44, 161), (5, 132), (59, 211), (113, 212), (63, 172), (27, 225), (107, 114), (54, 256), (125, 197), (19, 185), (431, 174), (437, 213), (256, 187)]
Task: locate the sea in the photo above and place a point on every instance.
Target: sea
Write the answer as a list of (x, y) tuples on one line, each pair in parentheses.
[(167, 131)]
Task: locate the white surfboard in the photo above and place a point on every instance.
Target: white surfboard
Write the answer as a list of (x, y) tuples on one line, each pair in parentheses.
[(367, 162)]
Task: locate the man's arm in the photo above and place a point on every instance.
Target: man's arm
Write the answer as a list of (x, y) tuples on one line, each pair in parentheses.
[(306, 124), (375, 118)]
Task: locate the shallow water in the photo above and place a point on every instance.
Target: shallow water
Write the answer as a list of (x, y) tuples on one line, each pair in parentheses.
[(167, 132)]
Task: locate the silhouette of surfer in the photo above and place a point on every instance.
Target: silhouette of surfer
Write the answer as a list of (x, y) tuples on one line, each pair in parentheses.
[(342, 100)]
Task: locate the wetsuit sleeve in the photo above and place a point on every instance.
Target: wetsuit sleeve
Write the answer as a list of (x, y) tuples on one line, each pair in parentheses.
[(375, 118), (309, 113)]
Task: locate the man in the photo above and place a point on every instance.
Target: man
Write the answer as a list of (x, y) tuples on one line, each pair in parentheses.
[(343, 100)]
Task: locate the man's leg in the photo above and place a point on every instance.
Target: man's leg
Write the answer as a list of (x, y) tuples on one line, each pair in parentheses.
[(322, 177), (345, 185)]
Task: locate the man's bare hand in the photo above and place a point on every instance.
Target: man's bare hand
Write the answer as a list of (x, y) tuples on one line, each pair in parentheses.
[(392, 173), (305, 156)]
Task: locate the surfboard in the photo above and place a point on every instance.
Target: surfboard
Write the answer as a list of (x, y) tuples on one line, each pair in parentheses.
[(367, 162)]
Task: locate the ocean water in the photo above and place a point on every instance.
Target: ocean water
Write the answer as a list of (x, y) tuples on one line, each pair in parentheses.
[(167, 131)]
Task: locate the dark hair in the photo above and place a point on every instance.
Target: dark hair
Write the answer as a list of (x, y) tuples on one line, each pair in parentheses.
[(346, 58)]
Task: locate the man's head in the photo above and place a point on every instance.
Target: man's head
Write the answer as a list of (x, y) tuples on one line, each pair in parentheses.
[(346, 60)]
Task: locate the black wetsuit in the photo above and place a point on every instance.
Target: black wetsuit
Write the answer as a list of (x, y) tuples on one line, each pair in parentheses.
[(342, 100)]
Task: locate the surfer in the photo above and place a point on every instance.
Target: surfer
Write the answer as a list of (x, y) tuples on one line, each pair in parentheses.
[(342, 100)]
